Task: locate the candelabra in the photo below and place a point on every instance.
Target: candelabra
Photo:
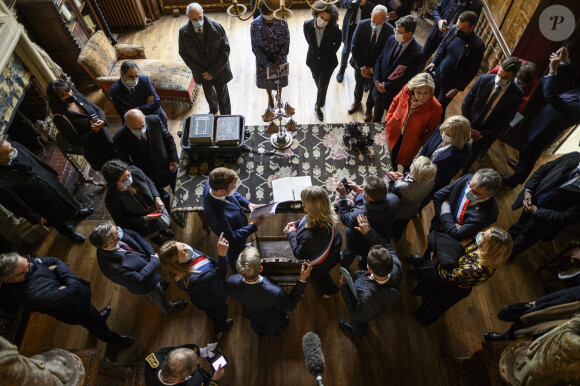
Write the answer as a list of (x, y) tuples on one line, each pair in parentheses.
[(281, 137), (281, 8)]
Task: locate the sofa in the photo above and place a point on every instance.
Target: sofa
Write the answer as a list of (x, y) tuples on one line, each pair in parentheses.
[(102, 61)]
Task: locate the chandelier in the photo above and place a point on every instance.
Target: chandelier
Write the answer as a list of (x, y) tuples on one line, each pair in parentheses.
[(281, 8)]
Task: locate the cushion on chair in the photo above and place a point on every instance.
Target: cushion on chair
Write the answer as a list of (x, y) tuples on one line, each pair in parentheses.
[(130, 51), (98, 57)]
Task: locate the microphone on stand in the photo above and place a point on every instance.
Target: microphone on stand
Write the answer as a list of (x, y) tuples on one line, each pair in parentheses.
[(313, 356)]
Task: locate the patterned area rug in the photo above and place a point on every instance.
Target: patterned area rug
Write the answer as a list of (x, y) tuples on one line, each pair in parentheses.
[(317, 150)]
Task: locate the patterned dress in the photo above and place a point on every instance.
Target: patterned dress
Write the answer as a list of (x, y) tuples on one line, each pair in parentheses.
[(270, 44), (469, 272)]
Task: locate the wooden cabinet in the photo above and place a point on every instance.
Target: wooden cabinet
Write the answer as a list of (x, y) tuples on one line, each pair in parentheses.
[(62, 28)]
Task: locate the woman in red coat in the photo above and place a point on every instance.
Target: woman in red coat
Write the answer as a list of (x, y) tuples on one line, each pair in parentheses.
[(413, 116)]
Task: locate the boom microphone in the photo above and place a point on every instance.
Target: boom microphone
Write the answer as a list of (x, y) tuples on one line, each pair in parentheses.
[(313, 356)]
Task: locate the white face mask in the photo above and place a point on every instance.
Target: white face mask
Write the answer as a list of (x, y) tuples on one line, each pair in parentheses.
[(197, 24), (320, 22), (399, 37), (268, 17), (139, 133), (188, 253), (479, 238), (233, 191), (128, 182), (130, 82), (446, 138), (12, 156), (501, 82)]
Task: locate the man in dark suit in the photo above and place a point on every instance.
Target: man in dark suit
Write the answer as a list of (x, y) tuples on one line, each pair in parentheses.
[(468, 205), (146, 143), (128, 259), (323, 38), (551, 201), (457, 59), (490, 105), (134, 91), (561, 112), (263, 301), (400, 60), (224, 211), (368, 42), (180, 366), (31, 189), (445, 15), (47, 285), (379, 207), (204, 47), (356, 10)]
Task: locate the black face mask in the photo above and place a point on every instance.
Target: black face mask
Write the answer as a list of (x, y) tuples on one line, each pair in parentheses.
[(70, 99), (460, 34)]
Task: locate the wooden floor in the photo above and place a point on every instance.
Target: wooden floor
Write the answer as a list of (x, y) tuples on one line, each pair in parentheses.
[(397, 350)]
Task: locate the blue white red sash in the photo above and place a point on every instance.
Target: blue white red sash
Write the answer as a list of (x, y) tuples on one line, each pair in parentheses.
[(200, 263), (319, 258), (463, 204)]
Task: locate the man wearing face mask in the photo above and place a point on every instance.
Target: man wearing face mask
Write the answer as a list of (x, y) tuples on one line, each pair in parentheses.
[(368, 42), (490, 105), (134, 91), (457, 59), (31, 189), (129, 260), (468, 205), (400, 60), (145, 142), (224, 211), (204, 47)]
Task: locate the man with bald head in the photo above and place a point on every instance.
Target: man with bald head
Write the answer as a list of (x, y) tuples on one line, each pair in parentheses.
[(180, 366), (204, 47), (146, 143)]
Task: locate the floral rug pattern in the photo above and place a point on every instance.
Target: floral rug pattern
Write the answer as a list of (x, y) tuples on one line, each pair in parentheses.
[(317, 150)]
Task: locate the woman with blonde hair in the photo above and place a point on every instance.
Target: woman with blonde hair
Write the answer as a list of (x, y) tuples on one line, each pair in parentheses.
[(449, 149), (315, 238), (412, 118), (201, 277), (441, 287)]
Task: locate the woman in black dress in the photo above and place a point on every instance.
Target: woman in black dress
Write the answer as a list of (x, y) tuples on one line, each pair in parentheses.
[(80, 122)]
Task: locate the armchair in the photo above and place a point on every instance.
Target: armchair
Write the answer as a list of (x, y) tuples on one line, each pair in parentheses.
[(102, 61)]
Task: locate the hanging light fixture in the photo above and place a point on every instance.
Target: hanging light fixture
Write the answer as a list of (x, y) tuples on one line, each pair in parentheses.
[(281, 8)]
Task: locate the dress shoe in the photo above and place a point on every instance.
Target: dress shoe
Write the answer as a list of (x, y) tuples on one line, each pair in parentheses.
[(229, 324), (346, 328), (340, 75), (494, 336), (164, 284), (505, 182), (368, 115), (366, 87), (77, 237), (123, 340), (105, 312), (319, 113), (356, 106), (512, 163), (168, 233), (179, 306), (414, 259), (84, 213)]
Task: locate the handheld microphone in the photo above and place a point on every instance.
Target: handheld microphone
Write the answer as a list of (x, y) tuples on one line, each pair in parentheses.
[(313, 356)]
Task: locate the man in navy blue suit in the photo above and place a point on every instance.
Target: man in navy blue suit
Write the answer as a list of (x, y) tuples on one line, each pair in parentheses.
[(134, 91), (263, 301), (561, 112), (128, 259), (445, 15), (457, 59), (490, 105), (146, 143), (224, 211), (551, 201), (368, 42), (400, 60)]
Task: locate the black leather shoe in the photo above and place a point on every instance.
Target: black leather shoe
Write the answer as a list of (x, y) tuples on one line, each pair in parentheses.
[(179, 306), (77, 237), (340, 75), (123, 340), (319, 113), (368, 115), (84, 213), (512, 163), (494, 336), (167, 233), (366, 87), (356, 106), (414, 259), (229, 324), (164, 284), (105, 312), (346, 328)]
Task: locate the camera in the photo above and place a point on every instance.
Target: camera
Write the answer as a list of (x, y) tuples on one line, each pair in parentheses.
[(432, 72)]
